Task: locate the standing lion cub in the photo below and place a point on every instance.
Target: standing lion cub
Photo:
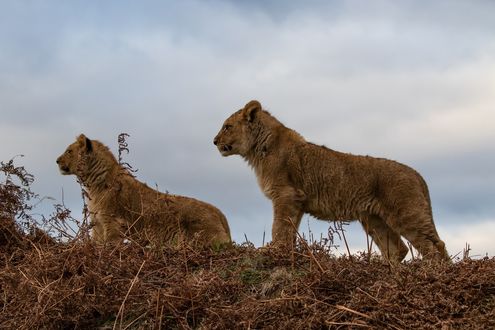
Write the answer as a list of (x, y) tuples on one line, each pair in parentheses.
[(121, 205), (389, 199)]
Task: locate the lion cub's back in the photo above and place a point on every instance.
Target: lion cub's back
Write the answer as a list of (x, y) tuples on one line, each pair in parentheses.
[(166, 214), (199, 216), (355, 170), (337, 183)]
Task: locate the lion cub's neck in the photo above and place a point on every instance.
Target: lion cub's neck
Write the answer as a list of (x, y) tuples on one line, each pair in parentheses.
[(102, 170), (270, 140)]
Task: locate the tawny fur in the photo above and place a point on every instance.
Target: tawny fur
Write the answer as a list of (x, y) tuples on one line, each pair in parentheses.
[(388, 198), (120, 205)]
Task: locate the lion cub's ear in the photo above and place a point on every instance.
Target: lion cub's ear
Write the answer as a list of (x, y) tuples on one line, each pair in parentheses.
[(83, 141), (250, 110)]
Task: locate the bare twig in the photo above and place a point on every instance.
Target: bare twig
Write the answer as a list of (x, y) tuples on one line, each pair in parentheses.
[(121, 309), (307, 246)]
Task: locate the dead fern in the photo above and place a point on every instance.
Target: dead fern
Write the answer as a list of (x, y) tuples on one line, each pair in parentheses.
[(124, 147)]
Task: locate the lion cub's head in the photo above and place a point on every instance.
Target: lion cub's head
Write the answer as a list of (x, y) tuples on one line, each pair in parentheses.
[(70, 160), (236, 135)]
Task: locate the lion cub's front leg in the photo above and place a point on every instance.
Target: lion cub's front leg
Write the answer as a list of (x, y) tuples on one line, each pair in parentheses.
[(287, 214), (97, 231), (106, 229)]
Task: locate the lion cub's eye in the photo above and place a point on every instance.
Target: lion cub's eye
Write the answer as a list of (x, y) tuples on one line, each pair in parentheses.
[(69, 151), (227, 127)]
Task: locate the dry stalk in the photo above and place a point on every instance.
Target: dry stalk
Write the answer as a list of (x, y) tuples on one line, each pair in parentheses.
[(351, 324), (347, 309), (307, 246), (121, 309), (345, 240)]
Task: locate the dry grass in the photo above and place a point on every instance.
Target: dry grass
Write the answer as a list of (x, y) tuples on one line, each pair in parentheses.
[(48, 282), (78, 285)]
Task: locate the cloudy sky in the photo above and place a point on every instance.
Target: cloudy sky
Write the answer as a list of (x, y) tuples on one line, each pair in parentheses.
[(412, 81)]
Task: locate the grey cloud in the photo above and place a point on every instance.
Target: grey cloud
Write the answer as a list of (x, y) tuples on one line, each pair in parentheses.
[(462, 183), (367, 79)]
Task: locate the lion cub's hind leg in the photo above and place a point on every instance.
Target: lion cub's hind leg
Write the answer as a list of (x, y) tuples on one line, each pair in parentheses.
[(419, 229), (388, 241), (427, 242)]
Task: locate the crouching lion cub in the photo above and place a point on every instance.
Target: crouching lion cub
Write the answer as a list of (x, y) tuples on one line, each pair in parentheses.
[(389, 199), (121, 205)]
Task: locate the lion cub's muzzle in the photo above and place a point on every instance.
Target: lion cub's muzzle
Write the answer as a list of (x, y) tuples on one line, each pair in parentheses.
[(223, 148), (64, 169)]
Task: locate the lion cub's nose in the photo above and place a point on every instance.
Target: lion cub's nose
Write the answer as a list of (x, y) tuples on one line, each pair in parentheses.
[(215, 141), (58, 160)]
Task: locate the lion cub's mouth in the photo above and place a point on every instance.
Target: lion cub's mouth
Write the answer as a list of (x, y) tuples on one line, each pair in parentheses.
[(225, 149), (64, 170)]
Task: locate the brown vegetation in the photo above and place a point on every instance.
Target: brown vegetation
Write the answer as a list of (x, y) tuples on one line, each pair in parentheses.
[(52, 283)]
